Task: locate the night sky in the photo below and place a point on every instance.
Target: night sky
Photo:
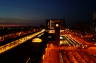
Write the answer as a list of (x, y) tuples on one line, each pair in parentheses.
[(37, 11)]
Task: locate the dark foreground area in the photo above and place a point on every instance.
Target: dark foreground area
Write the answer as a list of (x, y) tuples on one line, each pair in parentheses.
[(27, 52)]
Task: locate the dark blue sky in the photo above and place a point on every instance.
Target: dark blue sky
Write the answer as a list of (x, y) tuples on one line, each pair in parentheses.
[(39, 10)]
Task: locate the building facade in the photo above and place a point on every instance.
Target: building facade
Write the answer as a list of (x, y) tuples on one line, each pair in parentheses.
[(52, 23)]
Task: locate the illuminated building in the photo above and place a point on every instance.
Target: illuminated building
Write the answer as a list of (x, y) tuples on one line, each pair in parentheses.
[(52, 23)]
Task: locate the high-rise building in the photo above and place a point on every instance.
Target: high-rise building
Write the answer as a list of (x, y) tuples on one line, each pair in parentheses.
[(52, 23), (93, 26)]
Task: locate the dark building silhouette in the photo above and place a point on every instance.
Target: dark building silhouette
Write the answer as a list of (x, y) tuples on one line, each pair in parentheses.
[(82, 26), (93, 24)]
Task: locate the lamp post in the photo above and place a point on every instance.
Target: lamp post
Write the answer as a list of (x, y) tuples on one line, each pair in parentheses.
[(57, 34)]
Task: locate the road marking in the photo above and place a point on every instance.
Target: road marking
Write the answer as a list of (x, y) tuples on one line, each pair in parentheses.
[(28, 60), (61, 58)]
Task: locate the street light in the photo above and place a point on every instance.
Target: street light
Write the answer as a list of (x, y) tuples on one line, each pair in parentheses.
[(57, 25)]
